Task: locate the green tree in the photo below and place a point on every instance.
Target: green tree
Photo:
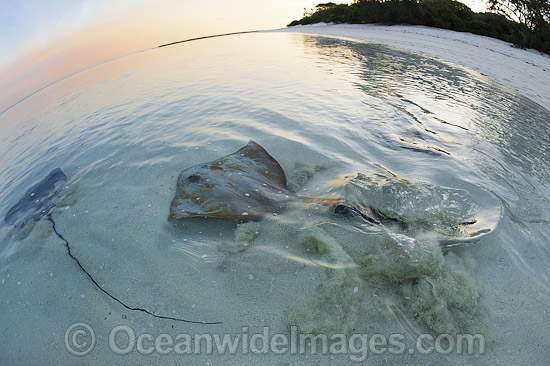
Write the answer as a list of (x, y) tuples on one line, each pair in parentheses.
[(528, 12), (533, 17)]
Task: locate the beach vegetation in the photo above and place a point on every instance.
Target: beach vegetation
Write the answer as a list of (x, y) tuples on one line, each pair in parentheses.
[(531, 18), (525, 23)]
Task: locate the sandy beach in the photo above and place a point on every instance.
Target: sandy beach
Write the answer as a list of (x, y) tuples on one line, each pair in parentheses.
[(525, 71)]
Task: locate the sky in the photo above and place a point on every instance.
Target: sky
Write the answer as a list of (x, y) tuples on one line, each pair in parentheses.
[(27, 25), (42, 41)]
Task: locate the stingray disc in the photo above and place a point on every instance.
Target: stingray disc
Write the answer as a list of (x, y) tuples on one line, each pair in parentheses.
[(241, 186), (38, 200)]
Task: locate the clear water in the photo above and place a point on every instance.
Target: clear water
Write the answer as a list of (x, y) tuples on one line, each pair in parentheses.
[(428, 143)]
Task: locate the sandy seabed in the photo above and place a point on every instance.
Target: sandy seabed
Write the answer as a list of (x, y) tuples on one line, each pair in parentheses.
[(521, 318), (519, 339)]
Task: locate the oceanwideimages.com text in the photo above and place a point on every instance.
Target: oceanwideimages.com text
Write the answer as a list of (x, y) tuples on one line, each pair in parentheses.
[(80, 340)]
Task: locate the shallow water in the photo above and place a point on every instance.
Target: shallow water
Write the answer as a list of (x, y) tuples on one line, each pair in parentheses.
[(428, 144)]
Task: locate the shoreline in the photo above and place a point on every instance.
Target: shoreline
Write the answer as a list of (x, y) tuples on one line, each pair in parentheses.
[(525, 71)]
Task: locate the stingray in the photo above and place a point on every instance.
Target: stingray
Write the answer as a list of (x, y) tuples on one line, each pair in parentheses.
[(244, 186), (250, 183), (240, 187), (38, 200)]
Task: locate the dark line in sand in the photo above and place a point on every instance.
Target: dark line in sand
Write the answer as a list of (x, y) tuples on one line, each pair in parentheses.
[(112, 296)]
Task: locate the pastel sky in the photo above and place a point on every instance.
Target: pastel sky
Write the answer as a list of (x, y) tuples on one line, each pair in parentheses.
[(28, 24), (43, 41)]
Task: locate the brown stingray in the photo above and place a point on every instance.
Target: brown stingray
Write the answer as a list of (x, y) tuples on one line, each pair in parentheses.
[(249, 183), (241, 186)]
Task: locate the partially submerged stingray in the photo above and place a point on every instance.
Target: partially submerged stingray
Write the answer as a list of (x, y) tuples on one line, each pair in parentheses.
[(38, 200), (244, 186), (241, 186), (249, 183)]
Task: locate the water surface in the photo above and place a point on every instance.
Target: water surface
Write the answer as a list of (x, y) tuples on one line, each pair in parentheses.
[(426, 142)]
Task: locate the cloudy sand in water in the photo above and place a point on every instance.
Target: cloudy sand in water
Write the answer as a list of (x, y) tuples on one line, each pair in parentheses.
[(441, 141)]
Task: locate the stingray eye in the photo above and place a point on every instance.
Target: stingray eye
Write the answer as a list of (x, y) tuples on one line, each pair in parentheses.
[(193, 178), (341, 209)]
